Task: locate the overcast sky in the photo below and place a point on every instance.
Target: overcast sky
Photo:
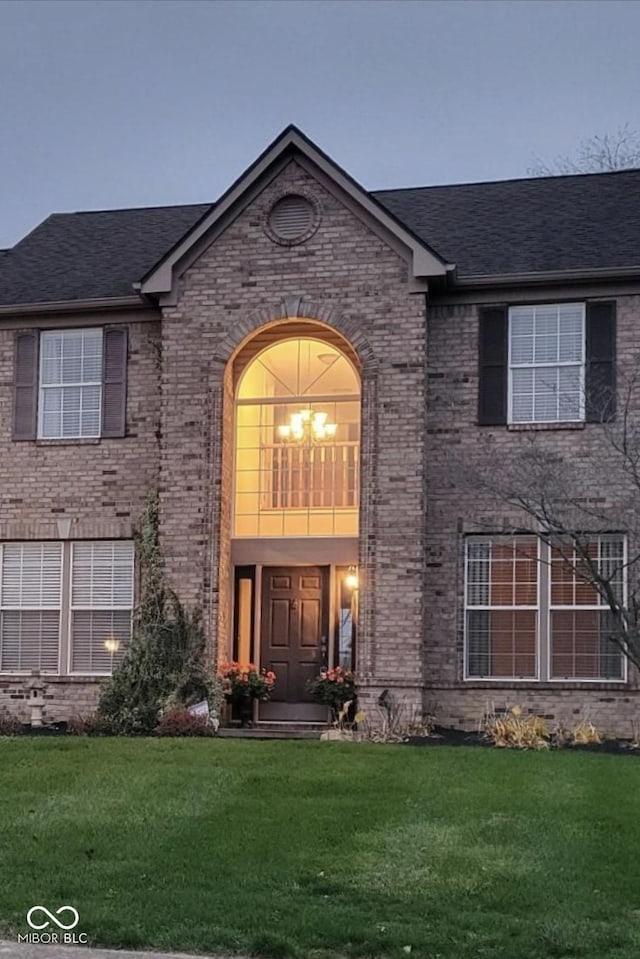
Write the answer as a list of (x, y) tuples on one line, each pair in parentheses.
[(149, 102)]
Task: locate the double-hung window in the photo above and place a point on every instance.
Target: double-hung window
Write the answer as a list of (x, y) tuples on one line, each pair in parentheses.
[(502, 607), (70, 384), (30, 605), (65, 607), (547, 363), (101, 604), (530, 613), (580, 621), (70, 401)]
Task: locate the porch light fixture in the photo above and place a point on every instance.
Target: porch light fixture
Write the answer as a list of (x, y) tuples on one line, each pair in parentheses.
[(351, 579), (308, 426)]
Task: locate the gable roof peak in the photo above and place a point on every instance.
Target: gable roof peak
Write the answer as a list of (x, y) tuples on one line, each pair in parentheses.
[(424, 260)]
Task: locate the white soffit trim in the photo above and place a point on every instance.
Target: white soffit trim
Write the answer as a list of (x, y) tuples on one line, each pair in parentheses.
[(425, 263)]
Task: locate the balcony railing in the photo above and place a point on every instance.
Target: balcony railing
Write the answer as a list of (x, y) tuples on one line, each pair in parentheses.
[(324, 476)]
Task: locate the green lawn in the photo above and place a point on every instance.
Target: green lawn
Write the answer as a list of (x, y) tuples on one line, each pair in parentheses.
[(296, 848)]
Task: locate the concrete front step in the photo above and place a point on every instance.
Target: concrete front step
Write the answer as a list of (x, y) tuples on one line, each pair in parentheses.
[(274, 731)]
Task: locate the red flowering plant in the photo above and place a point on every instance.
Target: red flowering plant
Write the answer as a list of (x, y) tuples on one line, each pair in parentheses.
[(241, 683), (334, 688)]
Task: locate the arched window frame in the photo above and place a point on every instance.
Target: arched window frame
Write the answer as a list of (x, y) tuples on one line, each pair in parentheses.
[(305, 486)]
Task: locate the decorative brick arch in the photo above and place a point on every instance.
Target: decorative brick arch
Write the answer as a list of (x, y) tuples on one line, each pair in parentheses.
[(219, 456), (296, 307)]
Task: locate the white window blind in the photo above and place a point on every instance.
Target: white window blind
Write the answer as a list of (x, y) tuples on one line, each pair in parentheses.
[(70, 384), (581, 623), (531, 613), (501, 607), (101, 604), (30, 601), (546, 363)]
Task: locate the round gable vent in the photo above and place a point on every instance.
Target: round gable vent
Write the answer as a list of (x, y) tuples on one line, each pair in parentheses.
[(292, 219)]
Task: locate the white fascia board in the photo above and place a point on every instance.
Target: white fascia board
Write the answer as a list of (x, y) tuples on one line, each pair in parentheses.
[(424, 262)]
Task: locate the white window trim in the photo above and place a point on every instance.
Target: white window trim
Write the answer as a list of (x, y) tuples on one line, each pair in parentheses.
[(317, 510), (58, 609), (481, 607), (65, 610), (601, 607), (71, 608), (42, 388), (537, 366), (543, 619)]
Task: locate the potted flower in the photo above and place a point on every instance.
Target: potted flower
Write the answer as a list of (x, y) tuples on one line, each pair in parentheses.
[(335, 688), (242, 684)]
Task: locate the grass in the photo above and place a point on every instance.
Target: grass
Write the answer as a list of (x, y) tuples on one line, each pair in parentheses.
[(291, 849)]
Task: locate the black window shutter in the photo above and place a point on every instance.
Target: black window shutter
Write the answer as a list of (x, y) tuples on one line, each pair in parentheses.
[(25, 385), (601, 362), (493, 351), (114, 381)]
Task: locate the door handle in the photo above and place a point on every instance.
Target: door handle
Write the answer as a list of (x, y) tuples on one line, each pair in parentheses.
[(323, 650)]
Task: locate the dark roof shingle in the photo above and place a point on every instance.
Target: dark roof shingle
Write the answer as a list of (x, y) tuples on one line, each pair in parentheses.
[(584, 222), (78, 256)]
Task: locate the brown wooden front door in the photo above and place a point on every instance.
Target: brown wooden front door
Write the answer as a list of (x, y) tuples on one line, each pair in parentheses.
[(294, 638)]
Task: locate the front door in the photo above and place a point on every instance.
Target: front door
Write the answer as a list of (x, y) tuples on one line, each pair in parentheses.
[(294, 638)]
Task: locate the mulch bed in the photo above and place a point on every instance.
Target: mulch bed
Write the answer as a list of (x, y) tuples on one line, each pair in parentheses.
[(441, 736), (444, 736), (50, 729)]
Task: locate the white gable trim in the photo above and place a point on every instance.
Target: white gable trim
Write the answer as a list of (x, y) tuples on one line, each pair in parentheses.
[(424, 263)]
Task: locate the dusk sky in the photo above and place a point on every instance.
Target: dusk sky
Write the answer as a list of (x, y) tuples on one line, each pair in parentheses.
[(153, 102)]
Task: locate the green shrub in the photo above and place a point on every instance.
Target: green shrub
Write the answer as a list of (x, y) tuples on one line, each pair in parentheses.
[(164, 666)]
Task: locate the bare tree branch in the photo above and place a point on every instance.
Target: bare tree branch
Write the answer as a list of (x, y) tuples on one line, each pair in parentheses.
[(602, 153), (544, 487)]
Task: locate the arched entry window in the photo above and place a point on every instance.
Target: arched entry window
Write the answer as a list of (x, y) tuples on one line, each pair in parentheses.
[(297, 442)]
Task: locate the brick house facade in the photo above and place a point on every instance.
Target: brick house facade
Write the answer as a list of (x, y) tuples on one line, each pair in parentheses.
[(296, 301)]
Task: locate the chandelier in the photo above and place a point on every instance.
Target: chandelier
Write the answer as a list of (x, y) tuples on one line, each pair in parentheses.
[(308, 426)]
